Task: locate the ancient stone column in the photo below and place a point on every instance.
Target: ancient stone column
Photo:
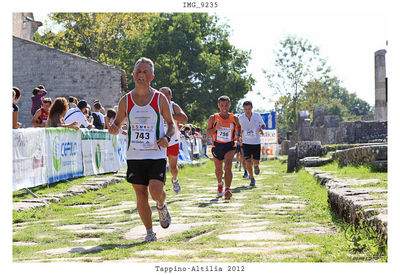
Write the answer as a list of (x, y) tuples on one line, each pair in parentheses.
[(380, 86)]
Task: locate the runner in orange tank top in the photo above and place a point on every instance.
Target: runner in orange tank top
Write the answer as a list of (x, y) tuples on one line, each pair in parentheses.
[(223, 126)]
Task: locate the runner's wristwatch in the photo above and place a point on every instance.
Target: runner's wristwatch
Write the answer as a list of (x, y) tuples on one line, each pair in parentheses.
[(168, 138)]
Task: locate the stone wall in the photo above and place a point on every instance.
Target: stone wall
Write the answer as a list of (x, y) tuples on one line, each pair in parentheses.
[(363, 131), (63, 74), (361, 155), (329, 130)]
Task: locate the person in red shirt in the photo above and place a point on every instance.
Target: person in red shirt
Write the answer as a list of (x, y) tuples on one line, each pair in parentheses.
[(41, 115)]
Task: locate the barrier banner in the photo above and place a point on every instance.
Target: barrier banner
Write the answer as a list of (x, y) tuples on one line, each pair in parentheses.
[(268, 150), (269, 143), (184, 150), (29, 158), (64, 147), (120, 143), (269, 136), (100, 152)]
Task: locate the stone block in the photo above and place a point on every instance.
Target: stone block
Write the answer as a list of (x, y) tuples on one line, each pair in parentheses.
[(332, 121), (318, 117), (308, 149), (285, 147), (292, 160), (314, 161)]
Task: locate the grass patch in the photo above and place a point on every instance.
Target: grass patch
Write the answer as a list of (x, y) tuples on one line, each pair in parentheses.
[(40, 225)]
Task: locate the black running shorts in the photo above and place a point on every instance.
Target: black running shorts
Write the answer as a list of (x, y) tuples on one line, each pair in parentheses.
[(252, 150), (141, 171), (220, 149)]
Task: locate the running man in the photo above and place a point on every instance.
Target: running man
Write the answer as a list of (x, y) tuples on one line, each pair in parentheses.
[(147, 143), (222, 126), (251, 124), (173, 146)]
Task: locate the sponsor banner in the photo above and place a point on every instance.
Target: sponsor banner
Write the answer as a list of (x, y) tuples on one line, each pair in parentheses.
[(269, 120), (269, 136), (64, 149), (268, 150), (29, 158), (120, 143), (184, 150), (100, 152)]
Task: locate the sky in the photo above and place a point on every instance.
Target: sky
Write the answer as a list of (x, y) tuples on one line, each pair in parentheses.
[(347, 38)]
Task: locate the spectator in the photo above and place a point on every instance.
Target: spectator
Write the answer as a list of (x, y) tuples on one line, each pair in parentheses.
[(16, 93), (98, 118), (72, 102), (102, 110), (186, 132), (56, 114), (37, 99), (109, 118), (40, 117), (78, 114)]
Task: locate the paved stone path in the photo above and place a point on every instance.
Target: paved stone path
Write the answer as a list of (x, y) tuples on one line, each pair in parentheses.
[(204, 228)]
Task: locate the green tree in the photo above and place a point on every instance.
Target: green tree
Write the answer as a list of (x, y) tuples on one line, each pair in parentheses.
[(94, 35), (192, 56), (297, 63), (336, 100)]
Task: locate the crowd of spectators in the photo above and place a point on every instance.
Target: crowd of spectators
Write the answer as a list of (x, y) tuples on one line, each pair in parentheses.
[(75, 114), (71, 113), (197, 138)]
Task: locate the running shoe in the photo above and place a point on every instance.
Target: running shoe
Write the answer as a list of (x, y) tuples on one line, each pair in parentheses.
[(165, 218), (245, 175), (220, 191), (240, 168), (228, 193), (177, 187), (236, 164), (256, 170), (253, 182), (150, 238)]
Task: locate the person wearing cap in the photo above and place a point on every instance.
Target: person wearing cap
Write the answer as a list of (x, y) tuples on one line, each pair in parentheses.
[(78, 115)]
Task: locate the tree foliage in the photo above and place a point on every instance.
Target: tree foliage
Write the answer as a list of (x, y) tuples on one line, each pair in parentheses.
[(302, 81), (94, 35), (191, 52), (192, 56), (297, 62)]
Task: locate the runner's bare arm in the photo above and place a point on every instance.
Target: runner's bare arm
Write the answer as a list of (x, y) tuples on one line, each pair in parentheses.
[(35, 119), (179, 115), (238, 128), (166, 113), (119, 119), (210, 128)]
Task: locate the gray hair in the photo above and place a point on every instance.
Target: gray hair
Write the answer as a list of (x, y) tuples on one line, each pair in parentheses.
[(144, 60)]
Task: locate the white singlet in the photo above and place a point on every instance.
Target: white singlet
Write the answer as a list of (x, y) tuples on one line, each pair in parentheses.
[(145, 127)]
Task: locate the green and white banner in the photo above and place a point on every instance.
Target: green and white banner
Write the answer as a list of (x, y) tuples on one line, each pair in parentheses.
[(29, 158), (102, 152), (64, 149)]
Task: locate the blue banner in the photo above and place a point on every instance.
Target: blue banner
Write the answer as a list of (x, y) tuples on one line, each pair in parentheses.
[(269, 120)]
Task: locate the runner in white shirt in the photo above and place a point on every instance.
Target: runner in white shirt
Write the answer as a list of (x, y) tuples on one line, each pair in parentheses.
[(76, 114), (251, 126)]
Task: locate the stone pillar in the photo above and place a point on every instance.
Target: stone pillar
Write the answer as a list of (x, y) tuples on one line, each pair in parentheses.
[(380, 86)]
